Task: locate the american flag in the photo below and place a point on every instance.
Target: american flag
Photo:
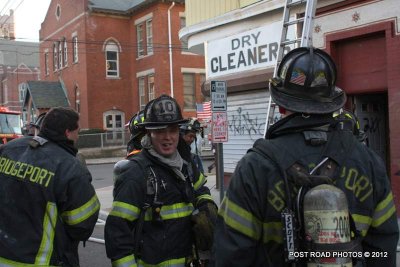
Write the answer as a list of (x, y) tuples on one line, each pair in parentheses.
[(204, 110), (298, 77)]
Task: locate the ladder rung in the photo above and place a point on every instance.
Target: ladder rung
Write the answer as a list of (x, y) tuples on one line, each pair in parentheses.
[(293, 22), (289, 42), (295, 3)]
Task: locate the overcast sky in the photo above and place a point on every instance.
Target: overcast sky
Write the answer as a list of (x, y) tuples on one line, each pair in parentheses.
[(29, 14)]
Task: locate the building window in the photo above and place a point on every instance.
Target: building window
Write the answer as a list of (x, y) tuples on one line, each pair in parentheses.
[(189, 97), (60, 55), (139, 33), (21, 91), (184, 44), (142, 94), (75, 49), (112, 60), (46, 64), (65, 55), (55, 56), (149, 36), (150, 87)]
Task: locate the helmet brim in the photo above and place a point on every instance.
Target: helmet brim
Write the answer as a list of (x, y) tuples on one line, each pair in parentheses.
[(308, 106), (160, 125)]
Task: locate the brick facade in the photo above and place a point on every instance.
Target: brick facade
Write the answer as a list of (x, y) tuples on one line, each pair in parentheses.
[(90, 91)]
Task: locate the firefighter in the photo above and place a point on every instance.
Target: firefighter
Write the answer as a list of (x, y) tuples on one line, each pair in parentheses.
[(161, 203), (189, 133), (137, 132), (47, 202), (249, 229)]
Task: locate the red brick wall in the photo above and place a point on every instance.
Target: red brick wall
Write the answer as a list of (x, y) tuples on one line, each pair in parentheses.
[(97, 93), (382, 54)]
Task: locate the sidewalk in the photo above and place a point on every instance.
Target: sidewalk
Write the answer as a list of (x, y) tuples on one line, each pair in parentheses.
[(105, 194)]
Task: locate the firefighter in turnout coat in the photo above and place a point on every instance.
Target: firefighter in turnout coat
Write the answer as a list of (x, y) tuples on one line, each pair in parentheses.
[(47, 202), (249, 229), (160, 198)]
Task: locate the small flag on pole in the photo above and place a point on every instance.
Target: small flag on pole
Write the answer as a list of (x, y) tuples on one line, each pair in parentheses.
[(204, 110)]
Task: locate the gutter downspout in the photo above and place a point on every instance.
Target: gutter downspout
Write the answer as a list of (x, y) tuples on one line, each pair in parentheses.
[(171, 74)]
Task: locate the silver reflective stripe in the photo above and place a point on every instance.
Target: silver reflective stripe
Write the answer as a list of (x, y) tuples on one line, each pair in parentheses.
[(82, 213), (49, 225), (128, 261)]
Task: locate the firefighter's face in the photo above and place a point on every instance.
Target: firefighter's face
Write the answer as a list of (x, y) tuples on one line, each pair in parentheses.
[(165, 141), (189, 137), (73, 134)]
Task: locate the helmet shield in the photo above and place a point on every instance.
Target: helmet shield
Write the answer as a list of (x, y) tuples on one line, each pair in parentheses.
[(162, 112), (306, 82)]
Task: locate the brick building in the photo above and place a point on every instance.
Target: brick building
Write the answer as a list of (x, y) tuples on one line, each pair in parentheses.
[(115, 56), (18, 64), (7, 28), (362, 36)]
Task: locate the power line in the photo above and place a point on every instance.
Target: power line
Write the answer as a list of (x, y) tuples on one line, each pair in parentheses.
[(4, 7)]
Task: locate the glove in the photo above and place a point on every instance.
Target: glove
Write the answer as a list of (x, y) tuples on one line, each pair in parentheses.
[(204, 220)]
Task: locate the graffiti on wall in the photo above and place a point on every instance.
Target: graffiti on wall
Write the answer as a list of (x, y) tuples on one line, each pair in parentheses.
[(242, 123)]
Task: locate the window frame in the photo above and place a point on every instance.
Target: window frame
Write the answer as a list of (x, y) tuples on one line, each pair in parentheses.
[(65, 52), (112, 47), (55, 56), (139, 40), (192, 94), (75, 49), (149, 37), (142, 92)]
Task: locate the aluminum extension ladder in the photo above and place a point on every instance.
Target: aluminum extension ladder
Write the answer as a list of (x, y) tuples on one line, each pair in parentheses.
[(304, 41)]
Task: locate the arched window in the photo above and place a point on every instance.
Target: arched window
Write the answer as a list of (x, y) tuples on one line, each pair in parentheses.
[(112, 59)]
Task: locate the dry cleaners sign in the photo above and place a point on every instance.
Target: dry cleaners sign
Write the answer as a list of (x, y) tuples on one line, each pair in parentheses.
[(249, 50)]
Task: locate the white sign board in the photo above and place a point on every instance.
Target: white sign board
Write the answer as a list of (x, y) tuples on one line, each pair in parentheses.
[(219, 127), (249, 50), (218, 96)]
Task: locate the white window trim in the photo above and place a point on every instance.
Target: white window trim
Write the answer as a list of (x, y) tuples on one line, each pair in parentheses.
[(109, 43), (148, 51), (143, 19), (75, 49), (145, 73)]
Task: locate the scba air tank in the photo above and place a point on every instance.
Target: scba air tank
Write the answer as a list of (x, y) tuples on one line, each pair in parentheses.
[(326, 221)]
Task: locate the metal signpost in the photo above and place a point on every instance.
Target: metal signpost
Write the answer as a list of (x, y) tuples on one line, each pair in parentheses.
[(219, 127)]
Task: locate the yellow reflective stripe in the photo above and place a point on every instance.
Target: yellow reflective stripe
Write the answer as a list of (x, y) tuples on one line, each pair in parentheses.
[(204, 197), (200, 182), (240, 219), (128, 261), (49, 225), (82, 213), (272, 231), (362, 223), (174, 211), (384, 210), (125, 211), (170, 263), (9, 263)]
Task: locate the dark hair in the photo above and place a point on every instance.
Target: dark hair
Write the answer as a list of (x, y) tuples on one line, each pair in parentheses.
[(59, 119)]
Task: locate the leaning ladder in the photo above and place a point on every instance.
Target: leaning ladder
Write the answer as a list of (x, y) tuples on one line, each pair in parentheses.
[(304, 41)]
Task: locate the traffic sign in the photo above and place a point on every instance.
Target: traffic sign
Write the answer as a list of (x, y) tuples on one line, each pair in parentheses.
[(219, 127), (218, 96)]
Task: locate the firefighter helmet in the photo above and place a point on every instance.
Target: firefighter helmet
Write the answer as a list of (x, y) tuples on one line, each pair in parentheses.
[(192, 125), (162, 112), (306, 82), (39, 120), (133, 124)]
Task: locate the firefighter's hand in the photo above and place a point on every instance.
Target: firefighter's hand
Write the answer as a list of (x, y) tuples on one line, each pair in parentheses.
[(203, 226)]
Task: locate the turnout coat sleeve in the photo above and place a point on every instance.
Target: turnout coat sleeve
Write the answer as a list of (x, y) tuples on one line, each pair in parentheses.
[(129, 196), (238, 234), (79, 205), (383, 232)]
